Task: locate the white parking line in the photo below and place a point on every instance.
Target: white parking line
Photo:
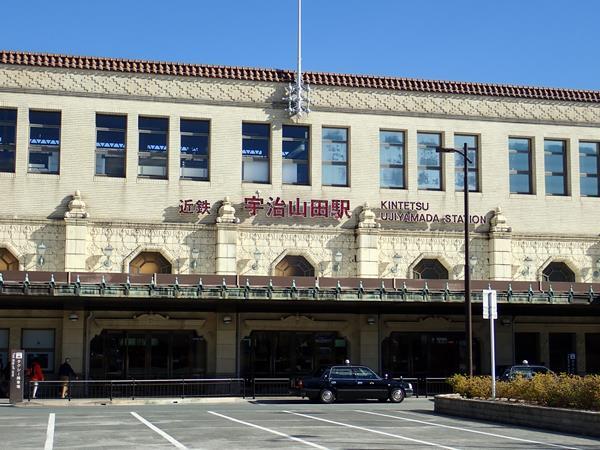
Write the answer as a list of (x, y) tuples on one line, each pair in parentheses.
[(169, 438), (466, 429), (371, 430), (50, 432), (293, 438)]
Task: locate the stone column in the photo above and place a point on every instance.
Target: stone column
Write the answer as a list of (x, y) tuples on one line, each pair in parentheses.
[(76, 219), (73, 340), (367, 244), (369, 340), (226, 242), (500, 247), (226, 345)]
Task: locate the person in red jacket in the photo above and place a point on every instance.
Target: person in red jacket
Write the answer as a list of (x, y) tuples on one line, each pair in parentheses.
[(36, 376)]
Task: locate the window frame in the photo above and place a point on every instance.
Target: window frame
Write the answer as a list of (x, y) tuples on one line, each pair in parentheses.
[(401, 167), (325, 162), (142, 152), (595, 175), (292, 161), (47, 350), (530, 158), (195, 157), (104, 150), (475, 170), (253, 158), (565, 172), (5, 351), (10, 147), (44, 148), (439, 168)]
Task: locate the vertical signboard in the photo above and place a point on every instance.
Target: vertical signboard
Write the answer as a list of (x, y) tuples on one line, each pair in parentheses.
[(17, 375), (490, 311)]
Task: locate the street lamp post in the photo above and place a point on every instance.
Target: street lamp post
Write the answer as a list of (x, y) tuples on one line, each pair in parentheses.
[(468, 313)]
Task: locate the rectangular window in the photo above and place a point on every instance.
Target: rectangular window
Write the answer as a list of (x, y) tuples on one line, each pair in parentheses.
[(589, 168), (39, 344), (111, 134), (256, 144), (193, 164), (153, 148), (429, 161), (555, 167), (295, 154), (459, 162), (3, 348), (8, 141), (335, 157), (391, 159), (519, 165), (44, 142)]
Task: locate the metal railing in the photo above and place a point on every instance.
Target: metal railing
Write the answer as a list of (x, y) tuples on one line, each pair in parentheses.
[(277, 387), (427, 386), (132, 389)]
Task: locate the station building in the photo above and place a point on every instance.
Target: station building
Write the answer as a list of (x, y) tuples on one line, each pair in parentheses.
[(171, 220)]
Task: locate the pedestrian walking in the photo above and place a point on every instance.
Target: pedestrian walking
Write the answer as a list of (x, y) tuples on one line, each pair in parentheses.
[(65, 373)]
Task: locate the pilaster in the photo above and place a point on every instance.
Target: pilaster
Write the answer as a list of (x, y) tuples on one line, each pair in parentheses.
[(367, 244)]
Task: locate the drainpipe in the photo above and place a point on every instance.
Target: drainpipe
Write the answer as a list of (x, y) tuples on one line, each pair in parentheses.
[(87, 344)]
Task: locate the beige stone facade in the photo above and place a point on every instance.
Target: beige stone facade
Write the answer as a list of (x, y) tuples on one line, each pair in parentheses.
[(133, 215)]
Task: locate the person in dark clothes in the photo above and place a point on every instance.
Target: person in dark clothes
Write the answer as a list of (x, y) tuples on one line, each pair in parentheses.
[(65, 373)]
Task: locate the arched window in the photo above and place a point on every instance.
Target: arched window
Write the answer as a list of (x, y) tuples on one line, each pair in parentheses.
[(294, 266), (558, 271), (430, 269), (149, 262), (8, 261)]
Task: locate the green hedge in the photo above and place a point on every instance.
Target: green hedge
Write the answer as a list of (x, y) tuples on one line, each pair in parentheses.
[(559, 391)]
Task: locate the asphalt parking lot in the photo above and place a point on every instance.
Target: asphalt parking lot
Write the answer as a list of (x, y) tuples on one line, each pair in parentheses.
[(266, 424)]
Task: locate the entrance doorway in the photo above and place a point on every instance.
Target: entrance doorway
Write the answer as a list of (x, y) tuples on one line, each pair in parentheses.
[(290, 353), (435, 354), (147, 355)]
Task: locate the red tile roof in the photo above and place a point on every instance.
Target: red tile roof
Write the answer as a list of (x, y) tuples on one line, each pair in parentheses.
[(284, 76)]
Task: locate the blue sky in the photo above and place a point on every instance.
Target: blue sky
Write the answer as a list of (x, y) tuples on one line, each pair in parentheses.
[(543, 43)]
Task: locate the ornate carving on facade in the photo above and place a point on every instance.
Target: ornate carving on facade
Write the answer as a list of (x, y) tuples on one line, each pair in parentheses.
[(498, 222), (323, 97), (77, 207), (366, 219), (227, 212)]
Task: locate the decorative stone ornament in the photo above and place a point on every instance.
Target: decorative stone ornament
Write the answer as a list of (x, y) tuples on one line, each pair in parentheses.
[(498, 221), (227, 212), (366, 218), (77, 207)]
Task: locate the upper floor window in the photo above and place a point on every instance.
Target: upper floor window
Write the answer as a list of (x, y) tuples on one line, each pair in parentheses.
[(8, 142), (256, 143), (295, 154), (429, 161), (558, 271), (459, 162), (111, 133), (193, 163), (519, 161), (430, 269), (44, 142), (555, 166), (391, 159), (589, 168), (335, 157), (154, 138)]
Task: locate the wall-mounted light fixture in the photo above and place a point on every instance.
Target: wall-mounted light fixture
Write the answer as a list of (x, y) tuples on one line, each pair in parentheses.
[(396, 260), (257, 255), (526, 266), (371, 320), (108, 251), (41, 251), (337, 261), (73, 317), (195, 254), (472, 263), (227, 320)]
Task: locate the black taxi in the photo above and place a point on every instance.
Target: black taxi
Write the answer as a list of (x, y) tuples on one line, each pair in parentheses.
[(352, 382)]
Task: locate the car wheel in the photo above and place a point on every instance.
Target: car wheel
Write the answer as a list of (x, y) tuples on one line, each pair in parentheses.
[(397, 395), (327, 396)]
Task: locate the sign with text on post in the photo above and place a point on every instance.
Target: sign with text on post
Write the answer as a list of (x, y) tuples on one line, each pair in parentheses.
[(17, 375), (490, 304)]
